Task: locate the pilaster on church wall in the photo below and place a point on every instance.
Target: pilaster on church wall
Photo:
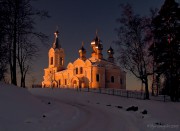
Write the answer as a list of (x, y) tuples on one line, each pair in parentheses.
[(101, 71)]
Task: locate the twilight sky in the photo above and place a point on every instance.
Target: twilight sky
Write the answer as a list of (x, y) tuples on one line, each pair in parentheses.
[(77, 21)]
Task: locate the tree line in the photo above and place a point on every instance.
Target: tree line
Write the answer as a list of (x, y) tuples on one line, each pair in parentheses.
[(17, 34), (149, 46)]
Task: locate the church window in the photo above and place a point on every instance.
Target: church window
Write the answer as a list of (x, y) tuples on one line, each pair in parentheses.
[(76, 70), (112, 79), (61, 61), (97, 77), (51, 61), (59, 82), (121, 81), (81, 70), (65, 82)]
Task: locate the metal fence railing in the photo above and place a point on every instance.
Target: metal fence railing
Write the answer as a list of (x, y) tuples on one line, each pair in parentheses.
[(116, 92), (122, 93)]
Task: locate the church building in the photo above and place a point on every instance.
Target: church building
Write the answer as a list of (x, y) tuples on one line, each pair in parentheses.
[(93, 72)]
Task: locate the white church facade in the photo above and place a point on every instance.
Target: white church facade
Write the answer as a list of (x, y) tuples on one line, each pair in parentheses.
[(93, 72)]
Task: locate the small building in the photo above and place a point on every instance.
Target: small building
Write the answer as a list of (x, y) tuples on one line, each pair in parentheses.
[(93, 72)]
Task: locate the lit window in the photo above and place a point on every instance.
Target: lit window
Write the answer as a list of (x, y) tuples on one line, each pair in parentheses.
[(51, 61), (112, 79), (97, 77)]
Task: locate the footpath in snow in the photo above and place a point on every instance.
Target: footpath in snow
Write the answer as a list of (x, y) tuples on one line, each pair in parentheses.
[(68, 110)]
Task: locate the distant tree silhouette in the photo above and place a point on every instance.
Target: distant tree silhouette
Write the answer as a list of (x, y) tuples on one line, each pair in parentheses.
[(26, 51), (166, 47), (133, 44), (3, 47), (3, 59), (19, 18)]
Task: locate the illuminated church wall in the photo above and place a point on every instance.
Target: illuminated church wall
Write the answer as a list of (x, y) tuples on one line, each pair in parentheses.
[(93, 72)]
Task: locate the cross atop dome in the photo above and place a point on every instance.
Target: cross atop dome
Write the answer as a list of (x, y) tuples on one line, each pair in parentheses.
[(96, 32), (56, 33), (56, 41)]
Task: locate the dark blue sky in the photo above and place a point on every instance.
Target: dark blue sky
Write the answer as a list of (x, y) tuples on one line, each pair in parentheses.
[(77, 21)]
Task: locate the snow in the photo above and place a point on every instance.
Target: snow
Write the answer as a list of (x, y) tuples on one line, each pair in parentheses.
[(18, 108), (43, 109)]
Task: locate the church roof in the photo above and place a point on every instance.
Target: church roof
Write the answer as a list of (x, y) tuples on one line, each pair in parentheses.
[(96, 40), (82, 48)]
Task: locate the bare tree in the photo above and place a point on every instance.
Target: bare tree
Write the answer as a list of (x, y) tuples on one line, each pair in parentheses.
[(133, 45), (3, 60), (3, 47), (26, 51), (20, 16)]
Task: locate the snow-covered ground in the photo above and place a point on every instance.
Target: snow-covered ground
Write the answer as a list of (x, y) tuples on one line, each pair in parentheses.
[(69, 110)]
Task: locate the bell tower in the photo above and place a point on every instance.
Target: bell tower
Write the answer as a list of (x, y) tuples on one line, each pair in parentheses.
[(56, 54)]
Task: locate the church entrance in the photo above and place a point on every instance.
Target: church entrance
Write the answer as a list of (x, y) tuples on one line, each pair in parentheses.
[(75, 82), (54, 84)]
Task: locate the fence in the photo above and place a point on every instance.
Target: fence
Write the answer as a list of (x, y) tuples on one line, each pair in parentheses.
[(115, 92), (122, 93)]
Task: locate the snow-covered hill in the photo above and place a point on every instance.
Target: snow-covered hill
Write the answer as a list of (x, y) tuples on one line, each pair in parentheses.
[(160, 115), (69, 110), (18, 108)]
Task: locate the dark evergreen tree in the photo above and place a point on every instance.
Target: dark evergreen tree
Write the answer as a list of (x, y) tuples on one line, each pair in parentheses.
[(166, 47)]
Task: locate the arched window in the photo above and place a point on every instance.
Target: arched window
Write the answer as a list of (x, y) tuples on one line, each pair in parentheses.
[(51, 62), (112, 79), (61, 61), (121, 81), (59, 82), (76, 70), (65, 82), (81, 70), (97, 77)]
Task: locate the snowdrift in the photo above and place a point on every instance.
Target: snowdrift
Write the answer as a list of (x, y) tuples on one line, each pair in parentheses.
[(18, 108)]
